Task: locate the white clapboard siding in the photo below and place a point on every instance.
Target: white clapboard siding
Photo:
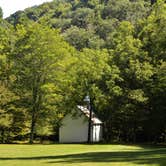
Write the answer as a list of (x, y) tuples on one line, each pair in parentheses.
[(74, 129)]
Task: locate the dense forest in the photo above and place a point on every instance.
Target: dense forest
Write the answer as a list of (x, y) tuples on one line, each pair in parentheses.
[(52, 55)]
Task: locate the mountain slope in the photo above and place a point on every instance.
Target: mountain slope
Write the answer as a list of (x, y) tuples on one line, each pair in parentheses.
[(85, 23)]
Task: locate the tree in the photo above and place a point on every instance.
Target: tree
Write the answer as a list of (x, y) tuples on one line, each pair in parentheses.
[(7, 96), (126, 92), (41, 59), (153, 36), (1, 13)]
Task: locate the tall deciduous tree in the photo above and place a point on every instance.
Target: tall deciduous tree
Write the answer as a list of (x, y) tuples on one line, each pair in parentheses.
[(154, 39), (41, 61), (7, 96)]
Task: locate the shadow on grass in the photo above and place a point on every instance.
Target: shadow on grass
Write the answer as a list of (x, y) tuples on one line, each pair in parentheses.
[(150, 156)]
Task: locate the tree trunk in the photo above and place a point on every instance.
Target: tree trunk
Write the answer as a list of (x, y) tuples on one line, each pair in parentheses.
[(37, 97), (3, 136), (33, 116), (32, 128)]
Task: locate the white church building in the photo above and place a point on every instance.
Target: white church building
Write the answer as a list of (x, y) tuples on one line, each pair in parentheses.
[(74, 128)]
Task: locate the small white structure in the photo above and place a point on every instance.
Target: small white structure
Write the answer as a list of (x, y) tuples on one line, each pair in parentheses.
[(74, 128)]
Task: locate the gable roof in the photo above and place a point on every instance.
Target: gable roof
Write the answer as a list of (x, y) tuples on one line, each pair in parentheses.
[(86, 112)]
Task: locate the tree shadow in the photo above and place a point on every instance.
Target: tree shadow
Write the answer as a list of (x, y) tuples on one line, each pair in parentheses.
[(150, 156)]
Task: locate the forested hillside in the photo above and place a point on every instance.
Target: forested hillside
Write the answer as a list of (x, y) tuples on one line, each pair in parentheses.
[(85, 23), (52, 55)]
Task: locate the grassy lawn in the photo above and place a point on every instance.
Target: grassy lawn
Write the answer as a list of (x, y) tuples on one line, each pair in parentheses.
[(81, 155)]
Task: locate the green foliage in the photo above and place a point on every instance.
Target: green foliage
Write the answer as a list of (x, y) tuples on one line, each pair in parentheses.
[(96, 18), (10, 125), (113, 50), (1, 13), (41, 62)]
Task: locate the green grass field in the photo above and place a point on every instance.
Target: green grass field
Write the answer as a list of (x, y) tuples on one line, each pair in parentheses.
[(81, 155)]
